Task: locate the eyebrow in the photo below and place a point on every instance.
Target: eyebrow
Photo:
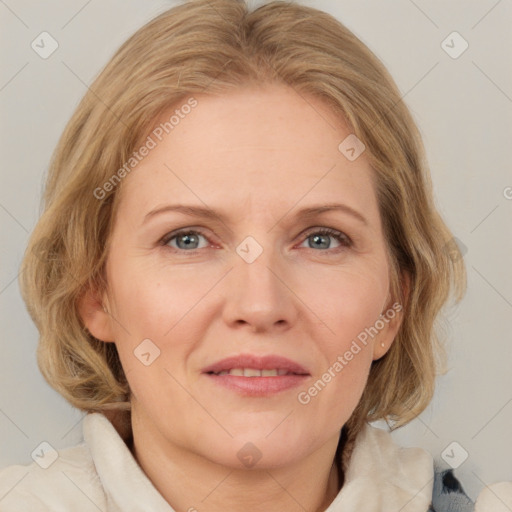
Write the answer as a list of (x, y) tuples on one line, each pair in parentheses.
[(207, 213)]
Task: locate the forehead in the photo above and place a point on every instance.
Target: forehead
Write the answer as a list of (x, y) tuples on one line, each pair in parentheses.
[(261, 146)]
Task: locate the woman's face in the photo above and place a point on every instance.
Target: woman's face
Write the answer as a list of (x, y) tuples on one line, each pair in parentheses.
[(259, 280)]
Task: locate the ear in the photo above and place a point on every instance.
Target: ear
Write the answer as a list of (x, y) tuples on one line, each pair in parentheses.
[(392, 318), (96, 319)]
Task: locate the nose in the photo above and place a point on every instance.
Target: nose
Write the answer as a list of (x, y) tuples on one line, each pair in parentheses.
[(258, 296)]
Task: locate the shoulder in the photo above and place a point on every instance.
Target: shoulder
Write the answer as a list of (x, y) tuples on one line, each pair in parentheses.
[(496, 498), (56, 481), (382, 475), (414, 469), (414, 461)]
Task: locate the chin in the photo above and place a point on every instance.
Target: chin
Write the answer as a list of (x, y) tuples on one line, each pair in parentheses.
[(254, 456), (256, 449)]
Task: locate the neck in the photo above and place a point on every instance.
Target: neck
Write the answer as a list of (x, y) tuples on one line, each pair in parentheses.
[(311, 484)]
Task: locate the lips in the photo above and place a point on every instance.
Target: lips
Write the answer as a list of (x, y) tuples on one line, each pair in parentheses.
[(247, 362), (249, 375)]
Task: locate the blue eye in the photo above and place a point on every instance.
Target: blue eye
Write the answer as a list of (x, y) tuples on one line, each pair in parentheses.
[(320, 239), (187, 240)]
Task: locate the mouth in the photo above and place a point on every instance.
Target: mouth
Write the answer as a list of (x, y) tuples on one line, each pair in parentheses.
[(251, 375), (254, 372), (249, 365)]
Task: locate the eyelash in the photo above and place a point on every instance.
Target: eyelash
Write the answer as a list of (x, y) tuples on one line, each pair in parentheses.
[(344, 240)]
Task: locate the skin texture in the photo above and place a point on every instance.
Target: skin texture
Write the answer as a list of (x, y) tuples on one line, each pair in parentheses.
[(258, 155)]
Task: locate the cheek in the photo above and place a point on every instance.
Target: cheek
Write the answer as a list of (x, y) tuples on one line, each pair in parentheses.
[(348, 301), (168, 306), (152, 300), (152, 333)]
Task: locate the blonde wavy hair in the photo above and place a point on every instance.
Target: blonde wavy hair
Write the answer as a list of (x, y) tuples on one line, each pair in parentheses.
[(215, 46)]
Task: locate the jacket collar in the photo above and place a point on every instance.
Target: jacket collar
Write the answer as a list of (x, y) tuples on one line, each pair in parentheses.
[(381, 475), (125, 484), (384, 476)]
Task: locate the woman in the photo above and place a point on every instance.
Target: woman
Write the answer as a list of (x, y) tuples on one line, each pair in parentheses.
[(238, 267)]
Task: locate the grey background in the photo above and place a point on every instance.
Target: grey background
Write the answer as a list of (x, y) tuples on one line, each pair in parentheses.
[(464, 110)]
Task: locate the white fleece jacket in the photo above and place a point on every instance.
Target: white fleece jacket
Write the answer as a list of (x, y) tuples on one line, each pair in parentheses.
[(101, 474)]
